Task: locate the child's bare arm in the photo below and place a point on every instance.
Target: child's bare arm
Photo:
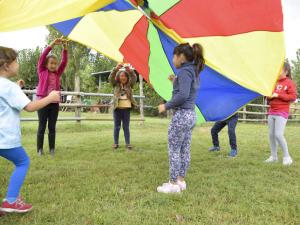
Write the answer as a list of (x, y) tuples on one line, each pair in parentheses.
[(39, 104)]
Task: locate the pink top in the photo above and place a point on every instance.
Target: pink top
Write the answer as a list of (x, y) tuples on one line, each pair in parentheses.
[(52, 83), (283, 114), (47, 80)]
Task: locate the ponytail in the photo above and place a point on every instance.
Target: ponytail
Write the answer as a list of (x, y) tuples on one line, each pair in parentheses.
[(198, 58), (192, 54)]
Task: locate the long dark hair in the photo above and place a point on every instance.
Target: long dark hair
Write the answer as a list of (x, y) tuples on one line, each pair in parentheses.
[(192, 54), (287, 69)]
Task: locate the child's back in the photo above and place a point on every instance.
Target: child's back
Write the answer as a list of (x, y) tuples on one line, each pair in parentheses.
[(12, 101)]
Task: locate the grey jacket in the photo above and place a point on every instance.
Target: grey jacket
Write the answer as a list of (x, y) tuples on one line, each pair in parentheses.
[(185, 88)]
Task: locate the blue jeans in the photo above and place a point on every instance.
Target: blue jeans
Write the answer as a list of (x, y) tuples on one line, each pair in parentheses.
[(231, 123), (122, 116), (21, 161)]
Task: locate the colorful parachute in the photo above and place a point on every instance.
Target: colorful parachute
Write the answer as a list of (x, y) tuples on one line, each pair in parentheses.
[(243, 42)]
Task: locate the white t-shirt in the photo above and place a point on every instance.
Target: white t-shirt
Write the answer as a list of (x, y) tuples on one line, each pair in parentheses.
[(12, 102)]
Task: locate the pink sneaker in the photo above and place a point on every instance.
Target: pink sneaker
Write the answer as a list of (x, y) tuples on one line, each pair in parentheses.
[(19, 206)]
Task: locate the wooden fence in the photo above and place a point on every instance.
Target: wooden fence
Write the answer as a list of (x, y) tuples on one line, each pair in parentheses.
[(78, 105), (259, 113), (250, 113)]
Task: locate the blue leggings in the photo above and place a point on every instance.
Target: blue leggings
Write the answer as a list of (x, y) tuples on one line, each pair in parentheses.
[(21, 160)]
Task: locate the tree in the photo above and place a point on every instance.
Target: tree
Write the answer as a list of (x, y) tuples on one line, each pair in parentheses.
[(28, 59), (296, 70)]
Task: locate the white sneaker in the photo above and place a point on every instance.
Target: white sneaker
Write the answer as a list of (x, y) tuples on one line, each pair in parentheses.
[(168, 188), (287, 161), (181, 184), (271, 159)]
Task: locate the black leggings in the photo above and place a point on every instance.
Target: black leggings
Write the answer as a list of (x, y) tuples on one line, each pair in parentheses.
[(50, 114)]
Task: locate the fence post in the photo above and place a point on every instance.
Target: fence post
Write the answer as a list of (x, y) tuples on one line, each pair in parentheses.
[(244, 114), (141, 99), (265, 109), (78, 99)]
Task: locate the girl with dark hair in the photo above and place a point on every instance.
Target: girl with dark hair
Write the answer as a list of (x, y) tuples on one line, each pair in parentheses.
[(49, 72), (284, 93), (122, 78), (189, 61)]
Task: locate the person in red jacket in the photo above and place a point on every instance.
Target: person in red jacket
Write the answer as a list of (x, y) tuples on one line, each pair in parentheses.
[(284, 93), (49, 71)]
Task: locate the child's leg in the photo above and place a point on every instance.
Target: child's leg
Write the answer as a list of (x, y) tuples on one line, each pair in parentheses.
[(52, 119), (232, 122), (218, 126), (20, 159), (43, 116), (177, 130), (125, 124), (280, 123), (272, 138), (117, 125), (185, 151)]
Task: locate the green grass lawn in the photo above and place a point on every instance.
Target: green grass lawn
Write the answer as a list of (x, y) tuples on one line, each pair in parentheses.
[(87, 183)]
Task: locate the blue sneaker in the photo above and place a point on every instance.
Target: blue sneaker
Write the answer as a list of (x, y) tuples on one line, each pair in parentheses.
[(214, 149), (233, 153)]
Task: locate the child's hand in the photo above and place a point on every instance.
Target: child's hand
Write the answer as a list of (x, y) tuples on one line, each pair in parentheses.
[(54, 96), (65, 43), (119, 66), (274, 95), (161, 108), (171, 78), (127, 68), (57, 41)]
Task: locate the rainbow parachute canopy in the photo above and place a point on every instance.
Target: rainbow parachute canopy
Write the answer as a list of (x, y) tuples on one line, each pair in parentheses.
[(243, 41)]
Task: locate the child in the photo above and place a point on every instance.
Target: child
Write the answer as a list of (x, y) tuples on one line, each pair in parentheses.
[(218, 126), (49, 79), (283, 95), (122, 79), (12, 102), (189, 61)]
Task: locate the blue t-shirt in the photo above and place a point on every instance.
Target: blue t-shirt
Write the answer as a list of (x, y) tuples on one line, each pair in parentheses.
[(12, 102)]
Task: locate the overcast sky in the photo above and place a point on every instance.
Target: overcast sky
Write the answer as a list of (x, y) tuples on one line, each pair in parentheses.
[(31, 38)]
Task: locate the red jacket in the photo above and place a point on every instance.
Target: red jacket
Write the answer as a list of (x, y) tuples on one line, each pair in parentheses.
[(286, 90), (44, 73)]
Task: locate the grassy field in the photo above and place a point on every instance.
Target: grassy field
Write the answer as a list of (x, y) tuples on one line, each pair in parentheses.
[(87, 183)]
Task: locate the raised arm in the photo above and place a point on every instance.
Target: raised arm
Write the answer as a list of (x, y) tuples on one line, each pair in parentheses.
[(64, 61), (113, 74), (42, 59), (132, 78)]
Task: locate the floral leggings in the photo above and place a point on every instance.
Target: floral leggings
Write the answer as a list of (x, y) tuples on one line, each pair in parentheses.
[(179, 142)]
